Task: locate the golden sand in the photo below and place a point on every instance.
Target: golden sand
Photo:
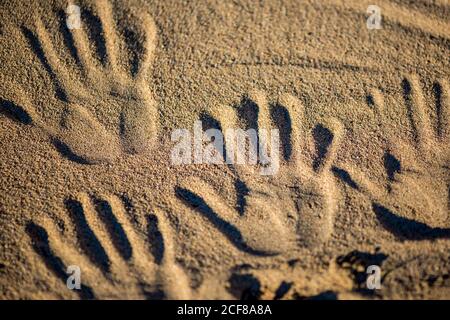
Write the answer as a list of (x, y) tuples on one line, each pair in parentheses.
[(86, 178)]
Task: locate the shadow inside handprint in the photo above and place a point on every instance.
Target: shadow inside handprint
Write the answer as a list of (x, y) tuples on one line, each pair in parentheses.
[(296, 204), (416, 184), (42, 247), (116, 258), (401, 227), (103, 106), (408, 229), (228, 229)]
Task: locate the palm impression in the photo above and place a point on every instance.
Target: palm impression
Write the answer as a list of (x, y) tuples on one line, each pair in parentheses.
[(116, 257), (99, 82), (413, 201), (274, 212)]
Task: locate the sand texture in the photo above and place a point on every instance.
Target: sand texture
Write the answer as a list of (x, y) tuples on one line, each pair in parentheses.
[(87, 176)]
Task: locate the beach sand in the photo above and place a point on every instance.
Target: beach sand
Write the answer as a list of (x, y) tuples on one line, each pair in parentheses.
[(87, 177)]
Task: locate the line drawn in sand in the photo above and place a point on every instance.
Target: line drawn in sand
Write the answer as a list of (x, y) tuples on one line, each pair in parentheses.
[(105, 81), (116, 258), (266, 219), (417, 182)]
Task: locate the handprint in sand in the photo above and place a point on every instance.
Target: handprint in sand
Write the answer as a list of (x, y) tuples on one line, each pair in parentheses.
[(99, 82), (413, 200), (274, 213), (117, 257)]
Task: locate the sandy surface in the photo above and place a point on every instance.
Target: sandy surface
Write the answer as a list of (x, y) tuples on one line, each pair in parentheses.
[(86, 177)]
